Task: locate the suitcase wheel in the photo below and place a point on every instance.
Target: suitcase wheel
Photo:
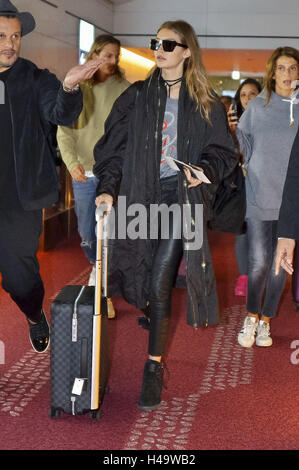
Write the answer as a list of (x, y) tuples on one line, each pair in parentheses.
[(96, 414), (54, 413)]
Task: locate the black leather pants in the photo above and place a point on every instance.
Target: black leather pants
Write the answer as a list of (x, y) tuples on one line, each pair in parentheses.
[(165, 266)]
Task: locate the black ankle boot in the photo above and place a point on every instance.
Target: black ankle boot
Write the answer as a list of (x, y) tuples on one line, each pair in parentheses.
[(150, 397)]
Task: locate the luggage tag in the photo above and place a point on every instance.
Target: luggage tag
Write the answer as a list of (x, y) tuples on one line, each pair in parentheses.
[(78, 386)]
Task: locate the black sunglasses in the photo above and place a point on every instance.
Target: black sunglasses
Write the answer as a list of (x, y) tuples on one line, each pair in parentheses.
[(168, 45)]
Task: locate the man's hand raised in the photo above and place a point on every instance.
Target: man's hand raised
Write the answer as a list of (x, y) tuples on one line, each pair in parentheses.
[(79, 73)]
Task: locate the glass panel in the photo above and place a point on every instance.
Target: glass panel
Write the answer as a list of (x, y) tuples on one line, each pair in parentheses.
[(86, 39)]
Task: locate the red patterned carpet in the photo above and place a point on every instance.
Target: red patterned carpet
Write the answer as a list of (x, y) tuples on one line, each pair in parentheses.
[(220, 396)]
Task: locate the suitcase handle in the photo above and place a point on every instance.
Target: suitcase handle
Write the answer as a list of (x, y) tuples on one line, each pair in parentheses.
[(100, 211), (102, 229), (100, 291)]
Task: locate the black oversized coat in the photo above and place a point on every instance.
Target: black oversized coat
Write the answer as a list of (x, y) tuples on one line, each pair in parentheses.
[(128, 163)]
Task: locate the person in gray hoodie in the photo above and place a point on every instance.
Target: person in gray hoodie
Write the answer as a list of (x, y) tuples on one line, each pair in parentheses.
[(266, 132)]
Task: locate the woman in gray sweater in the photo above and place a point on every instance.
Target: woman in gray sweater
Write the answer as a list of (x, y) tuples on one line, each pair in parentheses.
[(266, 132)]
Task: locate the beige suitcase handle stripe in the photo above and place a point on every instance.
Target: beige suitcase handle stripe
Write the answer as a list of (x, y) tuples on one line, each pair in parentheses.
[(100, 290)]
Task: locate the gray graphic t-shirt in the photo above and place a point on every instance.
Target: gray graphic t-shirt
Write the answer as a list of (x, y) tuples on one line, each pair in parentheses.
[(169, 137)]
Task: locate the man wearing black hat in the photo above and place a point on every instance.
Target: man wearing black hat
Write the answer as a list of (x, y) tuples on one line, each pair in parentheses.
[(34, 100)]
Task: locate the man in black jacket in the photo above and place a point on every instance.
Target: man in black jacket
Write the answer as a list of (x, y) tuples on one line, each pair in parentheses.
[(288, 223), (34, 100)]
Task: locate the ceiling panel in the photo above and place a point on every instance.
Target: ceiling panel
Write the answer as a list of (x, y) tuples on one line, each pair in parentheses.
[(119, 2)]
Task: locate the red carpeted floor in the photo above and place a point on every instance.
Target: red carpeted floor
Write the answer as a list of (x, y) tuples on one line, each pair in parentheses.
[(219, 396)]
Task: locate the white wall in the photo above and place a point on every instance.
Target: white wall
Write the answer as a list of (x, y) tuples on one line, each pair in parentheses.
[(54, 42), (213, 17)]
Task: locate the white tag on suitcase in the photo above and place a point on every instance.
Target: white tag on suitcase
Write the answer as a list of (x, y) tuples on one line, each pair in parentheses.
[(78, 386)]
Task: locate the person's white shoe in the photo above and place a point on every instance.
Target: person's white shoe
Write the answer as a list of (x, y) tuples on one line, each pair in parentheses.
[(263, 337), (246, 337), (92, 276)]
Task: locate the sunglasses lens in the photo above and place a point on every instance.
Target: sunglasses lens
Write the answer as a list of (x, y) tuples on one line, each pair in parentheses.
[(154, 44), (168, 46)]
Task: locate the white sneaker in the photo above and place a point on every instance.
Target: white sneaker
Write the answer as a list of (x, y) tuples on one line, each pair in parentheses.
[(92, 276), (263, 337), (246, 337)]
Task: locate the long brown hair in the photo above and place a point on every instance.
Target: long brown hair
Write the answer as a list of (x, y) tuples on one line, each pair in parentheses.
[(198, 84), (99, 43), (271, 64)]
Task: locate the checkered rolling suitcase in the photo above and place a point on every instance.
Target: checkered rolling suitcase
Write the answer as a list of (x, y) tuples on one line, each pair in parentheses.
[(79, 365)]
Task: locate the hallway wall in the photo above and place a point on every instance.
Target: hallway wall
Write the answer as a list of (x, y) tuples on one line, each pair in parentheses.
[(54, 42), (224, 24), (228, 25)]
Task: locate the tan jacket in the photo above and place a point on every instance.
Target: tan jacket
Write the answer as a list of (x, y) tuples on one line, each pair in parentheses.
[(76, 143)]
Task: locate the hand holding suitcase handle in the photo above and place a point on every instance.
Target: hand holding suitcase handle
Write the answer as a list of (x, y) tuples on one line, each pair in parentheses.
[(101, 211), (105, 200)]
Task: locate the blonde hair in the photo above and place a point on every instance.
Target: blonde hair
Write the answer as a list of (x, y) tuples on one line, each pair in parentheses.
[(271, 64), (99, 43), (197, 82)]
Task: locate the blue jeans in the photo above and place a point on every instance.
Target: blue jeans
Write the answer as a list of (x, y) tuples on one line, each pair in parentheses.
[(241, 251), (262, 238), (85, 194)]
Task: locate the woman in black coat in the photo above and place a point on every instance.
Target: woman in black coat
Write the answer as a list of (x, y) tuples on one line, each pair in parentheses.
[(174, 113)]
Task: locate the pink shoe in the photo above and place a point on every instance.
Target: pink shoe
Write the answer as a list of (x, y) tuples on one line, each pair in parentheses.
[(241, 287)]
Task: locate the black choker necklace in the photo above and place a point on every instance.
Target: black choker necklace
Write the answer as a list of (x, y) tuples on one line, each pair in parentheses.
[(171, 83)]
